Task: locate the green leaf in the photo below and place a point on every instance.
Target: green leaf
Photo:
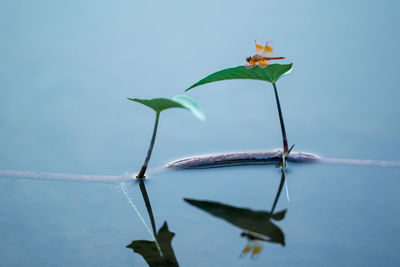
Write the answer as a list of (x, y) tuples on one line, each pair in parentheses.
[(158, 104), (179, 101), (270, 74), (190, 105)]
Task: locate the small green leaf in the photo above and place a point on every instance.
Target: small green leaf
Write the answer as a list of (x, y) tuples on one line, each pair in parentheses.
[(158, 104), (179, 101), (270, 74)]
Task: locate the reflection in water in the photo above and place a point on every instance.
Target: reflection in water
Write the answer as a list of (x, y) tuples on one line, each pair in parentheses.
[(257, 226), (158, 252), (150, 252)]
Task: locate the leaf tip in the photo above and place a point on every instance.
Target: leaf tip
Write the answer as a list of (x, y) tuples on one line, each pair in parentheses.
[(194, 85), (289, 70), (132, 99), (190, 105)]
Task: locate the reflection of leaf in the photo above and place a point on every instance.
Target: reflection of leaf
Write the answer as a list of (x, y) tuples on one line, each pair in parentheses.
[(279, 215), (179, 101), (150, 253), (253, 221), (270, 74)]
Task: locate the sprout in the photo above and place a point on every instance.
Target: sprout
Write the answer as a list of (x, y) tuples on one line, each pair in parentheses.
[(271, 74), (158, 105)]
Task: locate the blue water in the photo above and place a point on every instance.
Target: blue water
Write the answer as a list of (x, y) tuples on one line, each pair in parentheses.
[(66, 70)]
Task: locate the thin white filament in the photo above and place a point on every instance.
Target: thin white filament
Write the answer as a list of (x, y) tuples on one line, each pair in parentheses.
[(287, 190), (65, 176), (123, 187)]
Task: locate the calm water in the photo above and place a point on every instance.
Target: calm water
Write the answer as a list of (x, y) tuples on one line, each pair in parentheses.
[(67, 68)]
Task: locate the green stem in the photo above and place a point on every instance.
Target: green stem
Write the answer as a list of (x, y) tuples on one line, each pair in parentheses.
[(284, 138), (153, 138)]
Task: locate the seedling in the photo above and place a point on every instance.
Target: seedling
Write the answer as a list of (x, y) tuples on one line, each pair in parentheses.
[(271, 74), (257, 68), (158, 105)]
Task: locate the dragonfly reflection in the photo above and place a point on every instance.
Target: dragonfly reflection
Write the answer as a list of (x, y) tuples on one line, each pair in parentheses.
[(257, 226)]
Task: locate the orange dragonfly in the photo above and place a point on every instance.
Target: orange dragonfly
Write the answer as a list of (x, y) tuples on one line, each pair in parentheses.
[(254, 245), (262, 56)]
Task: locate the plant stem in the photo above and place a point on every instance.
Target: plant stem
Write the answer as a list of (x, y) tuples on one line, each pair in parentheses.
[(153, 138), (284, 138)]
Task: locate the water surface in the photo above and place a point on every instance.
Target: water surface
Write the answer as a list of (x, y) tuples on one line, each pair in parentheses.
[(65, 74)]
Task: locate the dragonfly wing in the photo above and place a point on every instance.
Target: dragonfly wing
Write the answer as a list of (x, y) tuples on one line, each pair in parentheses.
[(249, 66), (263, 63), (268, 49), (259, 48), (256, 250), (246, 250)]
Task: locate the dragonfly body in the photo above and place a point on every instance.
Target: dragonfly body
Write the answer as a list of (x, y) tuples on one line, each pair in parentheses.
[(262, 56)]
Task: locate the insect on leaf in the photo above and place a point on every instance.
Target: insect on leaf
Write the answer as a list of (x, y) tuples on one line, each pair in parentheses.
[(270, 74)]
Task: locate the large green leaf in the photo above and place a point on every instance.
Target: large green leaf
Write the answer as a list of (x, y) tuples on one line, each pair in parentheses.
[(270, 74), (179, 101)]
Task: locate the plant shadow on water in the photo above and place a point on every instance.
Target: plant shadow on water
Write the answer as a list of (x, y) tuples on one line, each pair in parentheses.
[(158, 252), (257, 227)]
